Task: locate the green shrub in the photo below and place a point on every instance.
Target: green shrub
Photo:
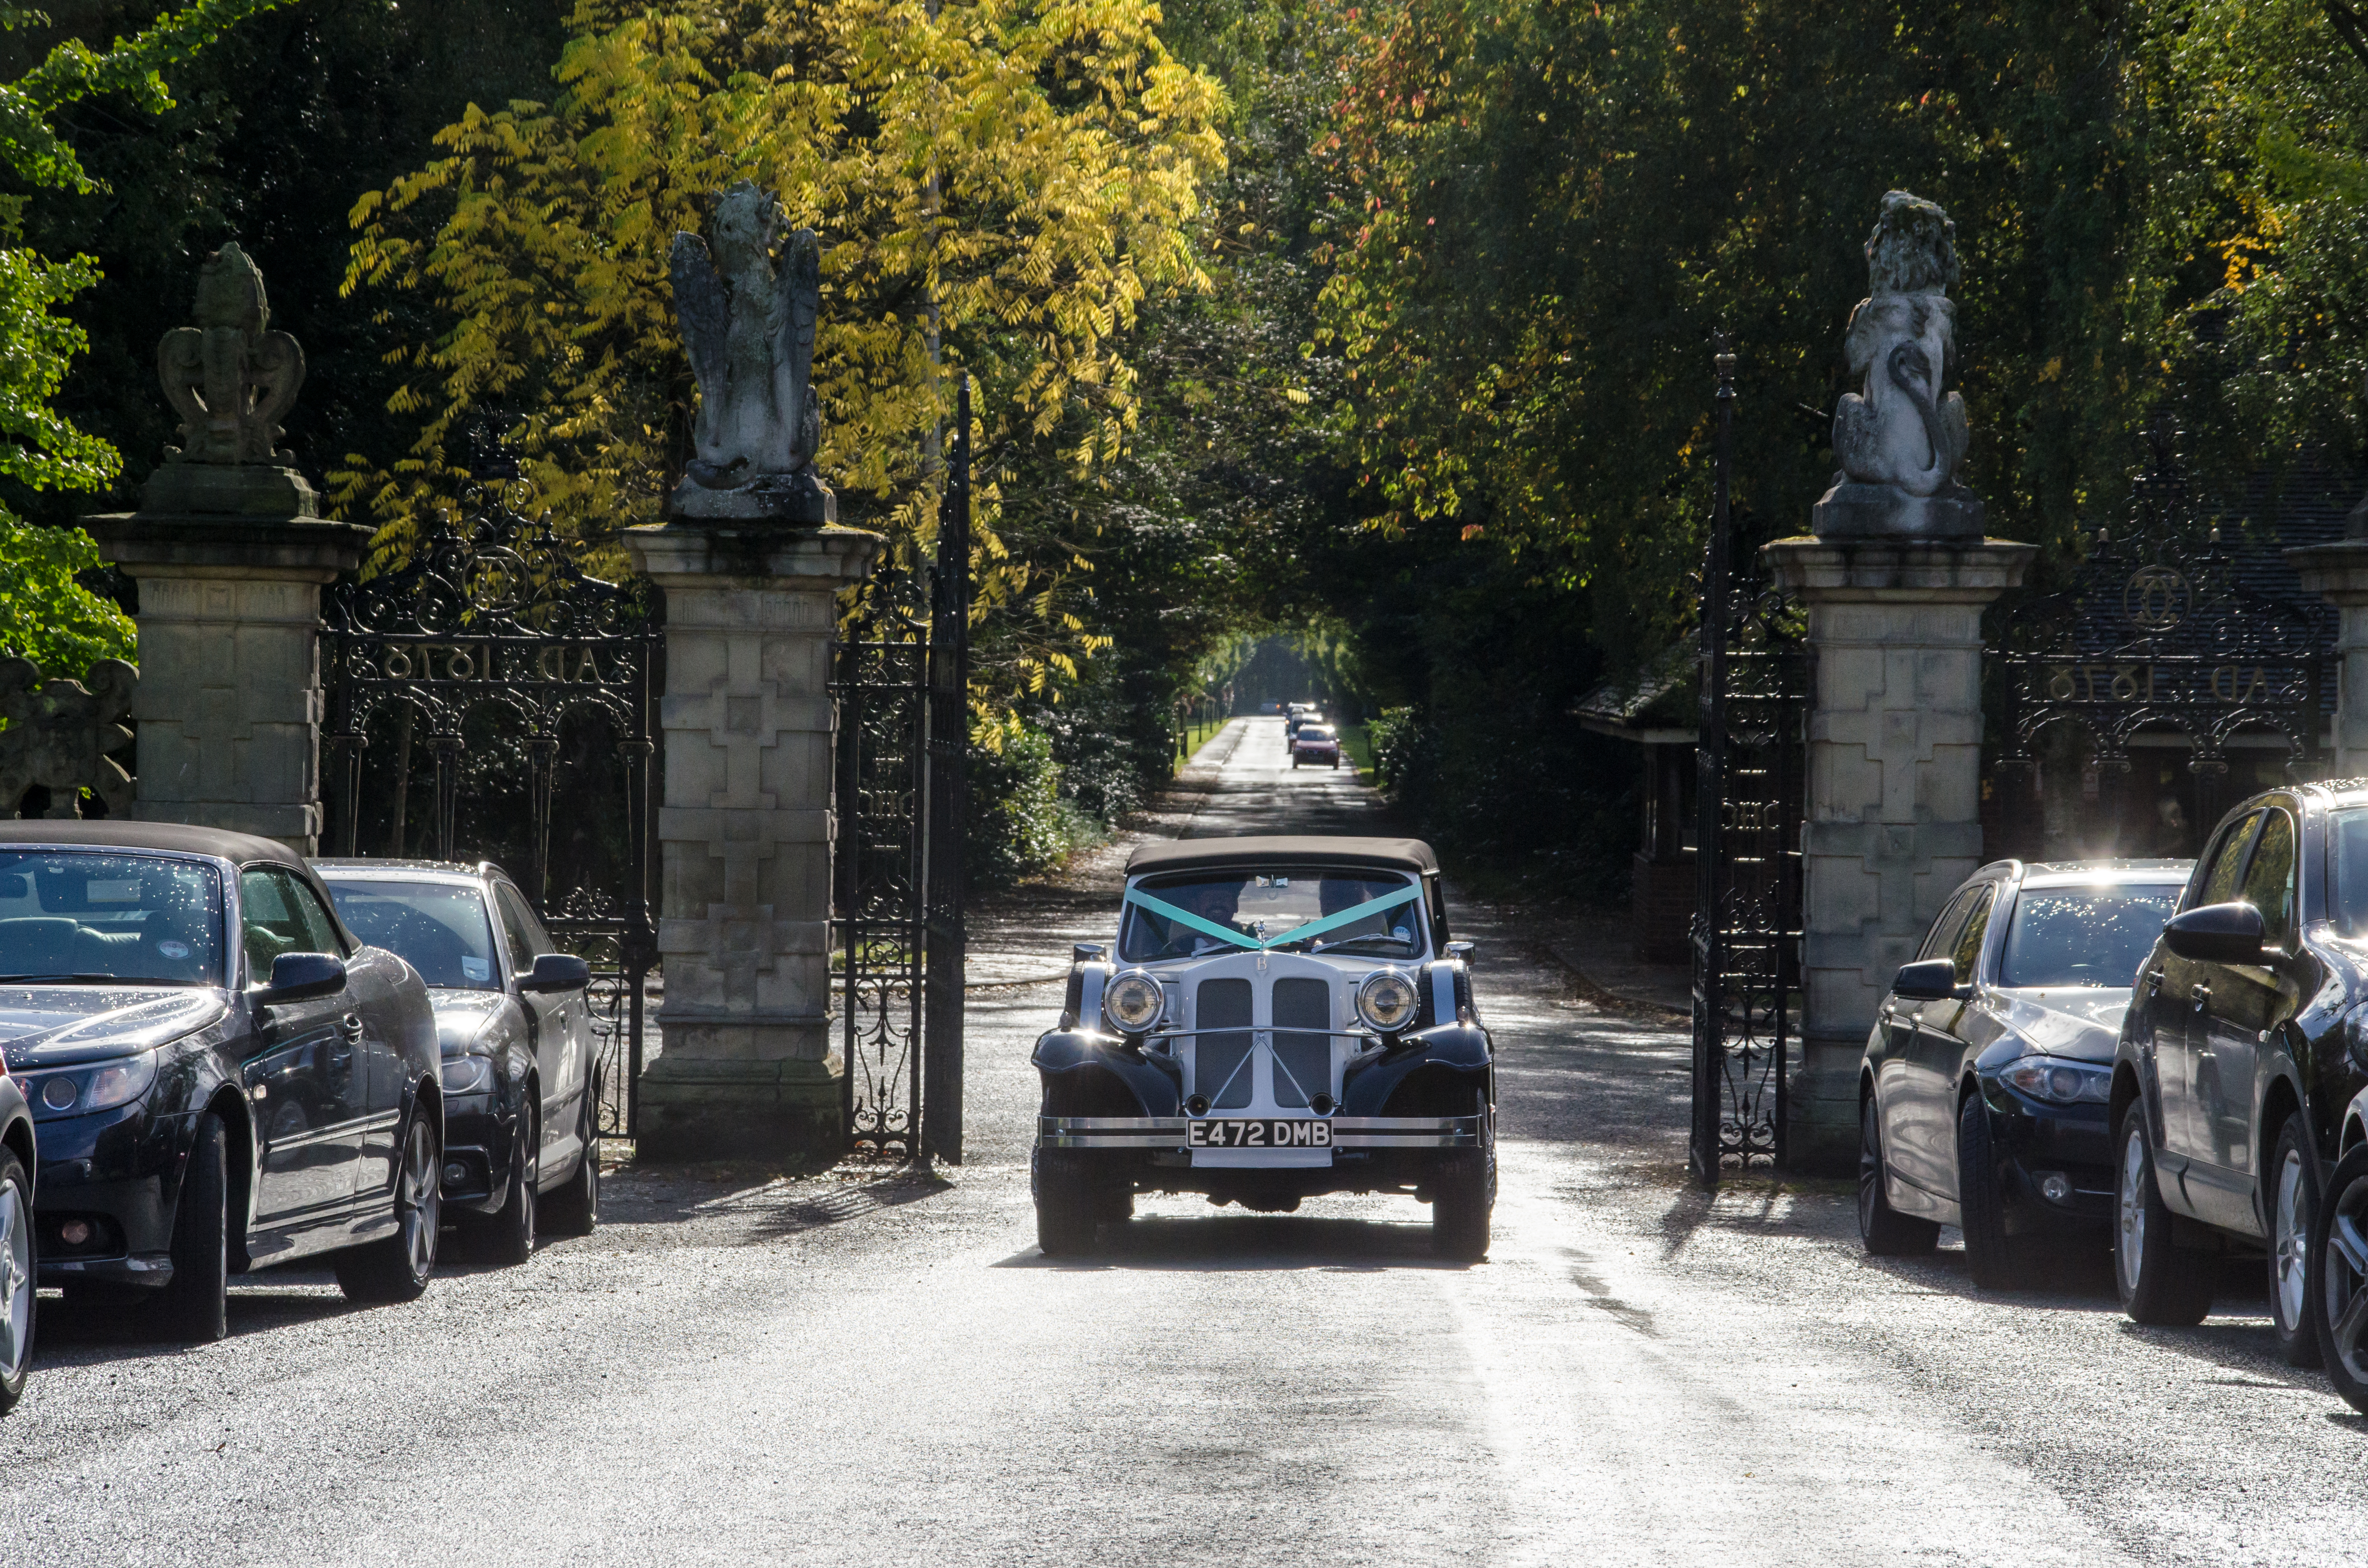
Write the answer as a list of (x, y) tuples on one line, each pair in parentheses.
[(1019, 822)]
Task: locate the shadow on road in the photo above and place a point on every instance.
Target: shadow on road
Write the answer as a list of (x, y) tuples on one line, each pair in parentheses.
[(1245, 1241), (94, 1335), (769, 1207)]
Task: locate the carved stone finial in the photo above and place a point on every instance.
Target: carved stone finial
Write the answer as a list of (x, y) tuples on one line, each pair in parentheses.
[(232, 381), (1900, 439), (748, 298)]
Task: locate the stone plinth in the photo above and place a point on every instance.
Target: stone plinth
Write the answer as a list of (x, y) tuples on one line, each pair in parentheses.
[(745, 833), (2339, 574), (229, 702), (1892, 821)]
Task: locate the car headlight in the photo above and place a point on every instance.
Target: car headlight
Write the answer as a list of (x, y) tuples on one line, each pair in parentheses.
[(1132, 1002), (468, 1074), (102, 1086), (1387, 1001), (2059, 1082)]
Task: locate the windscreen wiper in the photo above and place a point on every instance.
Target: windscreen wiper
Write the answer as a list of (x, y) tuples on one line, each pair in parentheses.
[(80, 980)]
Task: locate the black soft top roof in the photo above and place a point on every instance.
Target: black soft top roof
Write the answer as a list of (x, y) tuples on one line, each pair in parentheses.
[(1189, 854), (241, 849)]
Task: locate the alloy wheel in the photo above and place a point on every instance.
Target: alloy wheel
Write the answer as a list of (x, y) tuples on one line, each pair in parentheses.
[(15, 1280), (1870, 1169), (2131, 1203), (419, 1199), (2292, 1245), (2346, 1276)]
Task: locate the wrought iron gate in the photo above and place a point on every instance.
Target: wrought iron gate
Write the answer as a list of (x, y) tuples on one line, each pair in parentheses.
[(2161, 631), (1750, 782), (493, 656), (902, 689)]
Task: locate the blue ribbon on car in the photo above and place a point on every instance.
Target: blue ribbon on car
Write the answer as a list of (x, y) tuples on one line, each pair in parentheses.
[(1258, 944)]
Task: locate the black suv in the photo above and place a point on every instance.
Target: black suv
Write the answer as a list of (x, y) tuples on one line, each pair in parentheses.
[(2236, 1061)]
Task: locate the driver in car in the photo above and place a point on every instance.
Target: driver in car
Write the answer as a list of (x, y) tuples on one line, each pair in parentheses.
[(1213, 902)]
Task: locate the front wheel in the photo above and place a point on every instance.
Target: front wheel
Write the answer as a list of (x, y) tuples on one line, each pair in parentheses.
[(1991, 1255), (508, 1239), (2293, 1206), (1883, 1231), (1462, 1206), (2337, 1293), (2161, 1281), (194, 1308), (574, 1210), (19, 1305), (1069, 1211), (397, 1269)]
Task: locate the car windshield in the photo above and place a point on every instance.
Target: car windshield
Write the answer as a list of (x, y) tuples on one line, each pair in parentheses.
[(71, 917), (2348, 855), (2084, 936), (1314, 733), (1269, 906), (438, 928)]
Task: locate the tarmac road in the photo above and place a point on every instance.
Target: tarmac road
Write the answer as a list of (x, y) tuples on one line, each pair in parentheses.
[(860, 1369)]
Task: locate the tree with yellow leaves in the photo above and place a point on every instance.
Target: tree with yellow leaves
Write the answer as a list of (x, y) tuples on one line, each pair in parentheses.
[(999, 185)]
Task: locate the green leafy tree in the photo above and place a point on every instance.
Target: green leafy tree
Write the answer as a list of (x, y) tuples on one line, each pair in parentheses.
[(44, 612)]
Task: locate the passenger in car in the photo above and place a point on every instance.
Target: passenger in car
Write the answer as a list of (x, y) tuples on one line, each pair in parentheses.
[(1214, 902)]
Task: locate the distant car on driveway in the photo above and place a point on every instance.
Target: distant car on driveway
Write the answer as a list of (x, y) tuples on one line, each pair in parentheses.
[(520, 1061), (19, 1158), (223, 1078), (1982, 1099), (1314, 743)]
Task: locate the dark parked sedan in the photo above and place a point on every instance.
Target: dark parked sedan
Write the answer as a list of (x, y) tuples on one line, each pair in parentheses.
[(520, 1098), (2240, 1053), (1983, 1096), (223, 1078), (19, 1160)]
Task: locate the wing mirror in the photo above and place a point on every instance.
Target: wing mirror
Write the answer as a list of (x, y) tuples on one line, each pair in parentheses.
[(1929, 980), (2217, 933), (1459, 950), (298, 977), (556, 972)]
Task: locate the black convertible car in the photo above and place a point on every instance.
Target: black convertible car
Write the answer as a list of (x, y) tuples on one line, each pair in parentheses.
[(221, 1077), (1284, 1017)]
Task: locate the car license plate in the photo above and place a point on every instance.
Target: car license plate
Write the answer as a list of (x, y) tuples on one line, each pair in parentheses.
[(1239, 1132)]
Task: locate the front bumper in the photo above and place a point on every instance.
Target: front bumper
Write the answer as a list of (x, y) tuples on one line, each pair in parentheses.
[(1173, 1132), (118, 1172), (476, 1153), (2034, 1140)]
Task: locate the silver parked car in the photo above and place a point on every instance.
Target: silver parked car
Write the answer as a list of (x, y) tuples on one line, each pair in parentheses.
[(1983, 1096), (521, 1062)]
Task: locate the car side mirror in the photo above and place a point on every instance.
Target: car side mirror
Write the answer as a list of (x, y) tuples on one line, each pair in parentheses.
[(299, 977), (556, 972), (1459, 950), (1929, 980), (2217, 933)]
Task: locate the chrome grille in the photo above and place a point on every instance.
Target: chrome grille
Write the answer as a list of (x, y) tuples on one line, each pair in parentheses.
[(1222, 1057), (1302, 1062)]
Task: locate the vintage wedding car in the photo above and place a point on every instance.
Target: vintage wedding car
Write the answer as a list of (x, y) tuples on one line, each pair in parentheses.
[(1279, 1017)]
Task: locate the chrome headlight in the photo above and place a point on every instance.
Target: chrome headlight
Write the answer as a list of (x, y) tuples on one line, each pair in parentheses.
[(102, 1086), (2058, 1082), (468, 1074), (1387, 1001), (1133, 1001)]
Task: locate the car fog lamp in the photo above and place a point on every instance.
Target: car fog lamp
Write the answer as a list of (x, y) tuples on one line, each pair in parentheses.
[(455, 1174), (2054, 1185), (2059, 1082), (1196, 1106), (75, 1233), (1386, 1001), (1133, 1003)]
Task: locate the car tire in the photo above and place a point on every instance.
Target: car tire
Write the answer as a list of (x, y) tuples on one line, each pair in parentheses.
[(2161, 1281), (194, 1307), (1883, 1231), (398, 1268), (2337, 1294), (20, 1306), (574, 1210), (1069, 1211), (2293, 1211), (1993, 1259), (506, 1239), (1462, 1206)]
